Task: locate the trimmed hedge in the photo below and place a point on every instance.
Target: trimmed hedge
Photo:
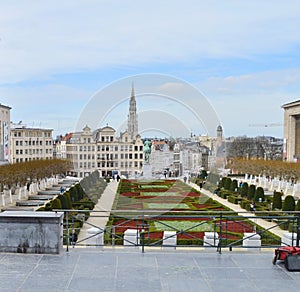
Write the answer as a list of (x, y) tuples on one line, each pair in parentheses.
[(251, 192), (288, 203), (277, 200), (259, 194)]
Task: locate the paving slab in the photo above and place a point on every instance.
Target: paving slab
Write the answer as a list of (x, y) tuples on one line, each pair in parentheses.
[(84, 269)]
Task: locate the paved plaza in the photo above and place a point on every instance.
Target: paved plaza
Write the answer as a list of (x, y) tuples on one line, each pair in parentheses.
[(83, 269), (128, 269)]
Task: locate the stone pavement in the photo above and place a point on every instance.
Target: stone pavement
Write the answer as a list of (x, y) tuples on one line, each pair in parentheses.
[(85, 269)]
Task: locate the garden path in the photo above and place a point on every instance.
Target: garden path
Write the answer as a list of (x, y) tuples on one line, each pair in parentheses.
[(104, 204), (241, 212)]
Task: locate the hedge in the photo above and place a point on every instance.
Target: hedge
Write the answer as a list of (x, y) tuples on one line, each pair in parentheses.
[(288, 203)]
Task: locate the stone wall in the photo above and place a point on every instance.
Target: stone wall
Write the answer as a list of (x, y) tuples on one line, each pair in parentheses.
[(31, 232)]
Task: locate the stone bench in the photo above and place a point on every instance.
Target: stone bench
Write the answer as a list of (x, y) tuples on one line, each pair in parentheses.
[(252, 240), (95, 237), (211, 239), (289, 239), (169, 239), (131, 237)]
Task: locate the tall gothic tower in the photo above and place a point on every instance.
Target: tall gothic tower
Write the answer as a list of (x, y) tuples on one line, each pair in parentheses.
[(132, 123)]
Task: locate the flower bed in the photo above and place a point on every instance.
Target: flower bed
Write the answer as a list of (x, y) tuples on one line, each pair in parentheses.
[(168, 196)]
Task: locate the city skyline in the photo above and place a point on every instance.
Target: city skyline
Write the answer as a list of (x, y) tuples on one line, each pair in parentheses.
[(243, 57)]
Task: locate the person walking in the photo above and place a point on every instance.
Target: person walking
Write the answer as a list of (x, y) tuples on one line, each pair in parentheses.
[(74, 237)]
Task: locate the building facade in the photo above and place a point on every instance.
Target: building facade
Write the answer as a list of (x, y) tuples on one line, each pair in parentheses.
[(102, 150), (291, 142), (4, 133), (27, 144)]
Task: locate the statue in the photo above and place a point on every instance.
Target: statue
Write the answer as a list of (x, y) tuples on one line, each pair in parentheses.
[(147, 151)]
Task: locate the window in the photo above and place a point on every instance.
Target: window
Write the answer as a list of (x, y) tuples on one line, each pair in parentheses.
[(141, 148), (116, 148), (111, 138), (17, 143)]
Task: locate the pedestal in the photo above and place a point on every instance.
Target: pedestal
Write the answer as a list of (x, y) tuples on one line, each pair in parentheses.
[(147, 170), (94, 237), (169, 239), (211, 239), (289, 239), (131, 237), (252, 240)]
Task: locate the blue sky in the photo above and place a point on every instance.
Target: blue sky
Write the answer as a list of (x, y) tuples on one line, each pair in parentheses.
[(243, 56)]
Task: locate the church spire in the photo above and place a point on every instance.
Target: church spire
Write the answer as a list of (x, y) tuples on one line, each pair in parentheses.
[(132, 89), (132, 124)]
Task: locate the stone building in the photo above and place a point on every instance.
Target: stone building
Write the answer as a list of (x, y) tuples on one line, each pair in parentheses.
[(102, 150), (28, 144), (4, 133), (291, 144)]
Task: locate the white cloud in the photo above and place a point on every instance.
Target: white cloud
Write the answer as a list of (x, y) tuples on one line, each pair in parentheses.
[(61, 36)]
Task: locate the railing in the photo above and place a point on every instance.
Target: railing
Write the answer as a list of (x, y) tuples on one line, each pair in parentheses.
[(189, 228)]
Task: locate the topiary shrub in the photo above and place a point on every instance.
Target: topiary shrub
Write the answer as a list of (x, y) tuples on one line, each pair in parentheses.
[(251, 192), (259, 193), (288, 204), (277, 200), (63, 201), (73, 194), (227, 183), (56, 204), (222, 182), (234, 185), (69, 202), (244, 189)]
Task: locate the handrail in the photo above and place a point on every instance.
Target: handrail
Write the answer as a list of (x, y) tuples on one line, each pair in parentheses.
[(221, 219)]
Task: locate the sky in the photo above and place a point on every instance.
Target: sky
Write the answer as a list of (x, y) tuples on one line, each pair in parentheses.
[(242, 57)]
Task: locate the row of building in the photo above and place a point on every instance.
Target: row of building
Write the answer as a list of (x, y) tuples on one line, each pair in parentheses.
[(103, 150)]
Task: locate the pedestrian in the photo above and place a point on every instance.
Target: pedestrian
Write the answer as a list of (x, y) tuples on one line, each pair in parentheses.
[(200, 185), (118, 178), (185, 179), (74, 237), (252, 206)]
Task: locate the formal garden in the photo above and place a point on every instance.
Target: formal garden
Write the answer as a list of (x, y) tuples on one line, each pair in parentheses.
[(172, 205), (267, 204)]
